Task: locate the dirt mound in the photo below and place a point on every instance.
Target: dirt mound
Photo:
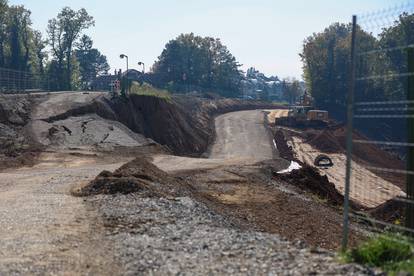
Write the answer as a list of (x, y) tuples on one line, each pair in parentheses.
[(137, 176), (308, 178), (389, 211), (327, 142)]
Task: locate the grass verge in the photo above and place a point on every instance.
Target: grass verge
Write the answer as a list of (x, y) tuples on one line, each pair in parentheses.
[(392, 253), (148, 90)]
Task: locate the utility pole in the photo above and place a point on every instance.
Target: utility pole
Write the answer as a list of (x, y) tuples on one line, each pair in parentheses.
[(126, 73), (349, 128), (409, 210)]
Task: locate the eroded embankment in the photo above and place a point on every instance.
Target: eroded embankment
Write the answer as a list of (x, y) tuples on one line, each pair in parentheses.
[(96, 122), (184, 124), (16, 146)]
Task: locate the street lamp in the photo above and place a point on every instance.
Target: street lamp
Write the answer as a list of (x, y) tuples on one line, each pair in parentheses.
[(127, 82), (143, 66)]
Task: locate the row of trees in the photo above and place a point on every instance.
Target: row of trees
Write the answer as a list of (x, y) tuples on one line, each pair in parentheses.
[(326, 62), (72, 61), (194, 62)]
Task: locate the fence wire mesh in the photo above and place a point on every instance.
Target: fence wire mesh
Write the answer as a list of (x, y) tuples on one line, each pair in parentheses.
[(381, 179), (13, 81)]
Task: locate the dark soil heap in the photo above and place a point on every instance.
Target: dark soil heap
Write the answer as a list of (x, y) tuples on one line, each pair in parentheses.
[(308, 178), (284, 149), (137, 176), (389, 211)]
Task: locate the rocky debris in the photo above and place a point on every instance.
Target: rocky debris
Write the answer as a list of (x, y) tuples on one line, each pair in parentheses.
[(138, 176), (87, 131), (165, 237), (14, 109), (16, 147)]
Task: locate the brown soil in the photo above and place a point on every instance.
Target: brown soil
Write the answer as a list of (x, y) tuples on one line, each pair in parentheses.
[(137, 176), (246, 197), (333, 140), (18, 159), (284, 150), (389, 211), (308, 178)]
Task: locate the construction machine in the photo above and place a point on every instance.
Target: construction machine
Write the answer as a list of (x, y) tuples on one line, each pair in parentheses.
[(303, 115)]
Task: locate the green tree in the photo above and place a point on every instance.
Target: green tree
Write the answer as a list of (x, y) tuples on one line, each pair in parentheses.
[(193, 61), (291, 90), (400, 34), (3, 31), (39, 45), (326, 61), (64, 31), (20, 32), (91, 62)]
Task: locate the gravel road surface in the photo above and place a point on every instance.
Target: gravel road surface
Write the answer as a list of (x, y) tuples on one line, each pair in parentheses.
[(44, 229)]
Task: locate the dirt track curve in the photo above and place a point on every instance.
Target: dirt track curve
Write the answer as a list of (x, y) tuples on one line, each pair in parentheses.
[(241, 139)]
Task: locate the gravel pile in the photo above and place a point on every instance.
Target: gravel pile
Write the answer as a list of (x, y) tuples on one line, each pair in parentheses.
[(180, 236)]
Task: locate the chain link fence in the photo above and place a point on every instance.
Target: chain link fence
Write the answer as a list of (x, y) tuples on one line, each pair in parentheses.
[(13, 81), (380, 130)]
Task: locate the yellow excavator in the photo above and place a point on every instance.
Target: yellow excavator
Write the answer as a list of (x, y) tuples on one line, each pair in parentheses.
[(303, 115)]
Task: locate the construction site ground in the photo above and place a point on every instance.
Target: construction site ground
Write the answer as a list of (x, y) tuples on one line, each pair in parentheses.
[(103, 199)]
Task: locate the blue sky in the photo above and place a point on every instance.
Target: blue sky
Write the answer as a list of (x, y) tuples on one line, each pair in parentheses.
[(266, 34)]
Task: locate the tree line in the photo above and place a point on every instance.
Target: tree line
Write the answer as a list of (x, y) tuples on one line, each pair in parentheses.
[(192, 62), (64, 57), (326, 63)]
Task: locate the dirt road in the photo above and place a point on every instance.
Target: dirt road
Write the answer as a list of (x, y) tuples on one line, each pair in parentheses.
[(241, 139), (242, 134)]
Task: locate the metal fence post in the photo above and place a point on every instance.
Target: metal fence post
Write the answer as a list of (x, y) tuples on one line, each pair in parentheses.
[(409, 210), (350, 114)]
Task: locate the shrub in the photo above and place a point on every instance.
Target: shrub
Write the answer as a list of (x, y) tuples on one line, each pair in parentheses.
[(390, 252)]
